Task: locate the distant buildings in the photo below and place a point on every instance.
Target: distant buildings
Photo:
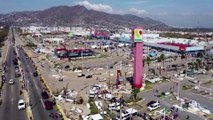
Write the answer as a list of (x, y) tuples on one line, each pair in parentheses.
[(55, 41), (179, 45), (73, 53), (41, 29), (150, 38)]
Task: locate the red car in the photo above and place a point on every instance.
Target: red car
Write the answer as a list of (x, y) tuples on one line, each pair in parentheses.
[(44, 95), (48, 105)]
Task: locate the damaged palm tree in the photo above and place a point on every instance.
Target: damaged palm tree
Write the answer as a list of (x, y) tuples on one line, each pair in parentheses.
[(79, 100), (65, 90)]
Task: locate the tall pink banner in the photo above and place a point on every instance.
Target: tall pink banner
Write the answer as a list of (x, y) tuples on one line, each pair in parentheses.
[(138, 56)]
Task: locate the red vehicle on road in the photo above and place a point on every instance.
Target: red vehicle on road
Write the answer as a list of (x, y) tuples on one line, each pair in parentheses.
[(48, 105)]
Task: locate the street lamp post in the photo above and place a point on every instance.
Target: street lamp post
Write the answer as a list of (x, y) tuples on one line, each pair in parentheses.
[(109, 77), (28, 98), (178, 92), (82, 60)]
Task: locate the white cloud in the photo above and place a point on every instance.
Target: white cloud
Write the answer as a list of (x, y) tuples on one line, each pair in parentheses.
[(97, 7), (137, 11)]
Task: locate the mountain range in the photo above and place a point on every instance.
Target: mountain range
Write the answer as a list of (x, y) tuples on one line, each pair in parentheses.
[(78, 16)]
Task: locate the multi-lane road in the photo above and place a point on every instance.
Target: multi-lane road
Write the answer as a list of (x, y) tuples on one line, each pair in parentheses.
[(35, 89), (10, 94)]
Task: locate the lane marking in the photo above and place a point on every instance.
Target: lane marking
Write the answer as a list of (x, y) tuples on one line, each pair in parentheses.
[(42, 103), (12, 89), (12, 95), (12, 100), (35, 85)]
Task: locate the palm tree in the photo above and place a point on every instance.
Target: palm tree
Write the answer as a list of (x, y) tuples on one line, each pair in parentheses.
[(134, 93), (199, 63), (148, 60), (161, 58)]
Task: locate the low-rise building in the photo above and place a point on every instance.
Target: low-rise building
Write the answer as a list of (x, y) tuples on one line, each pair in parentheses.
[(53, 40)]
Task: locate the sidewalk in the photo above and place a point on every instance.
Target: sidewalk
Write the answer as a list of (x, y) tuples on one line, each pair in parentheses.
[(4, 51)]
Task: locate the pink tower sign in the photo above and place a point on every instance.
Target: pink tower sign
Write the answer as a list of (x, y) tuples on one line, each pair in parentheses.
[(138, 56)]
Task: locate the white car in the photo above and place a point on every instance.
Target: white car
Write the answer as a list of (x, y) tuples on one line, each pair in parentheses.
[(153, 106), (11, 81), (114, 106), (21, 104)]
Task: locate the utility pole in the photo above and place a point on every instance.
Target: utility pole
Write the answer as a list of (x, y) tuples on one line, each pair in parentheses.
[(178, 92), (164, 115), (28, 99), (109, 77), (120, 111), (82, 59)]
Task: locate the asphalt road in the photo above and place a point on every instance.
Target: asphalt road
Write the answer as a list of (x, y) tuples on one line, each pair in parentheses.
[(10, 93), (35, 89), (183, 94)]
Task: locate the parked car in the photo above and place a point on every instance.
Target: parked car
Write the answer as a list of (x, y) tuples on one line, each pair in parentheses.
[(60, 78), (35, 74), (114, 106), (81, 75), (153, 106), (151, 102), (48, 105), (124, 116), (17, 74), (44, 95), (102, 80), (16, 68), (3, 78), (89, 76), (21, 104)]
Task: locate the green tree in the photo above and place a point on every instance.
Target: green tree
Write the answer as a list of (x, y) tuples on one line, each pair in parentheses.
[(198, 63), (183, 56), (148, 60), (162, 59), (31, 45)]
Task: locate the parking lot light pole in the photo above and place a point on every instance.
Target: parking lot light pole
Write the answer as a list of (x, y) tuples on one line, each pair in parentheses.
[(109, 77), (178, 92), (28, 97)]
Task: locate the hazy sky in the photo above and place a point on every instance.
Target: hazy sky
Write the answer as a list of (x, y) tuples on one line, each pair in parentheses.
[(181, 13)]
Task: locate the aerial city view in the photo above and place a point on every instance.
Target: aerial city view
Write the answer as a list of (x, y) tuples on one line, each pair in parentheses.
[(106, 60)]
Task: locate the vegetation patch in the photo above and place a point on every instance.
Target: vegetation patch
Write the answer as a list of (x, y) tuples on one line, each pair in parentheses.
[(31, 45), (187, 87), (3, 35), (209, 82), (93, 108)]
